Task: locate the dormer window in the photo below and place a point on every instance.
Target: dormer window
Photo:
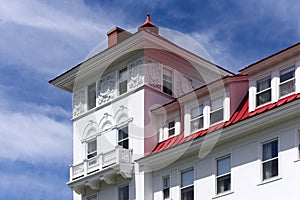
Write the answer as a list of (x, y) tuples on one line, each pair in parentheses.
[(171, 128), (92, 96), (216, 113), (287, 81), (123, 81), (263, 94), (167, 81), (196, 118)]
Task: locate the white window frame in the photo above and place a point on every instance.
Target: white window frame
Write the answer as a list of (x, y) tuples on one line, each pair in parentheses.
[(93, 152), (264, 90), (223, 175), (122, 81), (217, 110), (91, 105), (269, 160), (164, 187), (168, 81), (187, 186), (124, 139), (121, 187), (293, 80), (198, 117)]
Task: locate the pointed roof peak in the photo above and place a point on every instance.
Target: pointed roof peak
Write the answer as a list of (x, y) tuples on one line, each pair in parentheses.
[(148, 25)]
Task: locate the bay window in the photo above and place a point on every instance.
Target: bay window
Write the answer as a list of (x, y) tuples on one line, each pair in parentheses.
[(263, 94), (223, 174), (270, 159), (287, 81), (187, 185)]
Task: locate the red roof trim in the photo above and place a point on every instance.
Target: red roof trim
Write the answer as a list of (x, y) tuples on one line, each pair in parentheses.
[(241, 114)]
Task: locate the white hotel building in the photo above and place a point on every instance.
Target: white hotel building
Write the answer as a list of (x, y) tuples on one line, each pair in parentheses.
[(152, 121)]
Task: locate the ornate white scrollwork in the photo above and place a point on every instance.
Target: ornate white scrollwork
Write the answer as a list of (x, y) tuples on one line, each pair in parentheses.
[(153, 75), (105, 88), (135, 69), (79, 101)]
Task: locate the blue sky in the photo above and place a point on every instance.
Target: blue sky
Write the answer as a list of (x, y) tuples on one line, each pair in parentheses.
[(40, 39)]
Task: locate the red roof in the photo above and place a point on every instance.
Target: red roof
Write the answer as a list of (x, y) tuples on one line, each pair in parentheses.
[(240, 114)]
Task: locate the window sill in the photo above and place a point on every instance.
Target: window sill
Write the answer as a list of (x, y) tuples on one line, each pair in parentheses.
[(223, 194), (269, 180)]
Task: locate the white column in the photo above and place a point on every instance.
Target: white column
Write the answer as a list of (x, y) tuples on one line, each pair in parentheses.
[(297, 77), (275, 86), (252, 95), (144, 183), (226, 106), (206, 114)]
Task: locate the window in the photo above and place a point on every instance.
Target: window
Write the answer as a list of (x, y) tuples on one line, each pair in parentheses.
[(263, 94), (123, 81), (94, 197), (124, 193), (123, 137), (171, 128), (216, 113), (166, 187), (287, 81), (91, 149), (196, 118), (270, 159), (187, 185), (223, 174), (92, 96), (167, 81)]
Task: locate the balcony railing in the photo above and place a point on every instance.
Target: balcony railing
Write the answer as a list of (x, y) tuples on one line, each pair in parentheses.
[(117, 156)]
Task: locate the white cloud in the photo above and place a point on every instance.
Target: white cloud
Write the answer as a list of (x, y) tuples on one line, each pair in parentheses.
[(34, 137)]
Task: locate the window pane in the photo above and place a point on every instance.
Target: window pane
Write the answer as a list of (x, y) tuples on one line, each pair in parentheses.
[(187, 178), (171, 127), (263, 97), (91, 96), (287, 74), (270, 169), (92, 149), (196, 124), (270, 150), (263, 84), (166, 187), (167, 75), (223, 183), (216, 116), (196, 112), (187, 193), (167, 87), (287, 87), (123, 75), (123, 133), (216, 104), (123, 87), (124, 193), (223, 166)]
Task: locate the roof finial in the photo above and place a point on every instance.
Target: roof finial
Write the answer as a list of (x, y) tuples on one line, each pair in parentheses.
[(148, 25)]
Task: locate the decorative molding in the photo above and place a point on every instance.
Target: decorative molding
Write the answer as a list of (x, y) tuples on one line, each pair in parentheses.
[(79, 102), (135, 69), (153, 75), (105, 88)]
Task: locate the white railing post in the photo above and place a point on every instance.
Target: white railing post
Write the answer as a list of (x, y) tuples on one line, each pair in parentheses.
[(71, 172), (117, 152), (85, 166)]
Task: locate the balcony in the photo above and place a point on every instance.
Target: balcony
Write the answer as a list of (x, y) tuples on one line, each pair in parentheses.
[(117, 157)]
